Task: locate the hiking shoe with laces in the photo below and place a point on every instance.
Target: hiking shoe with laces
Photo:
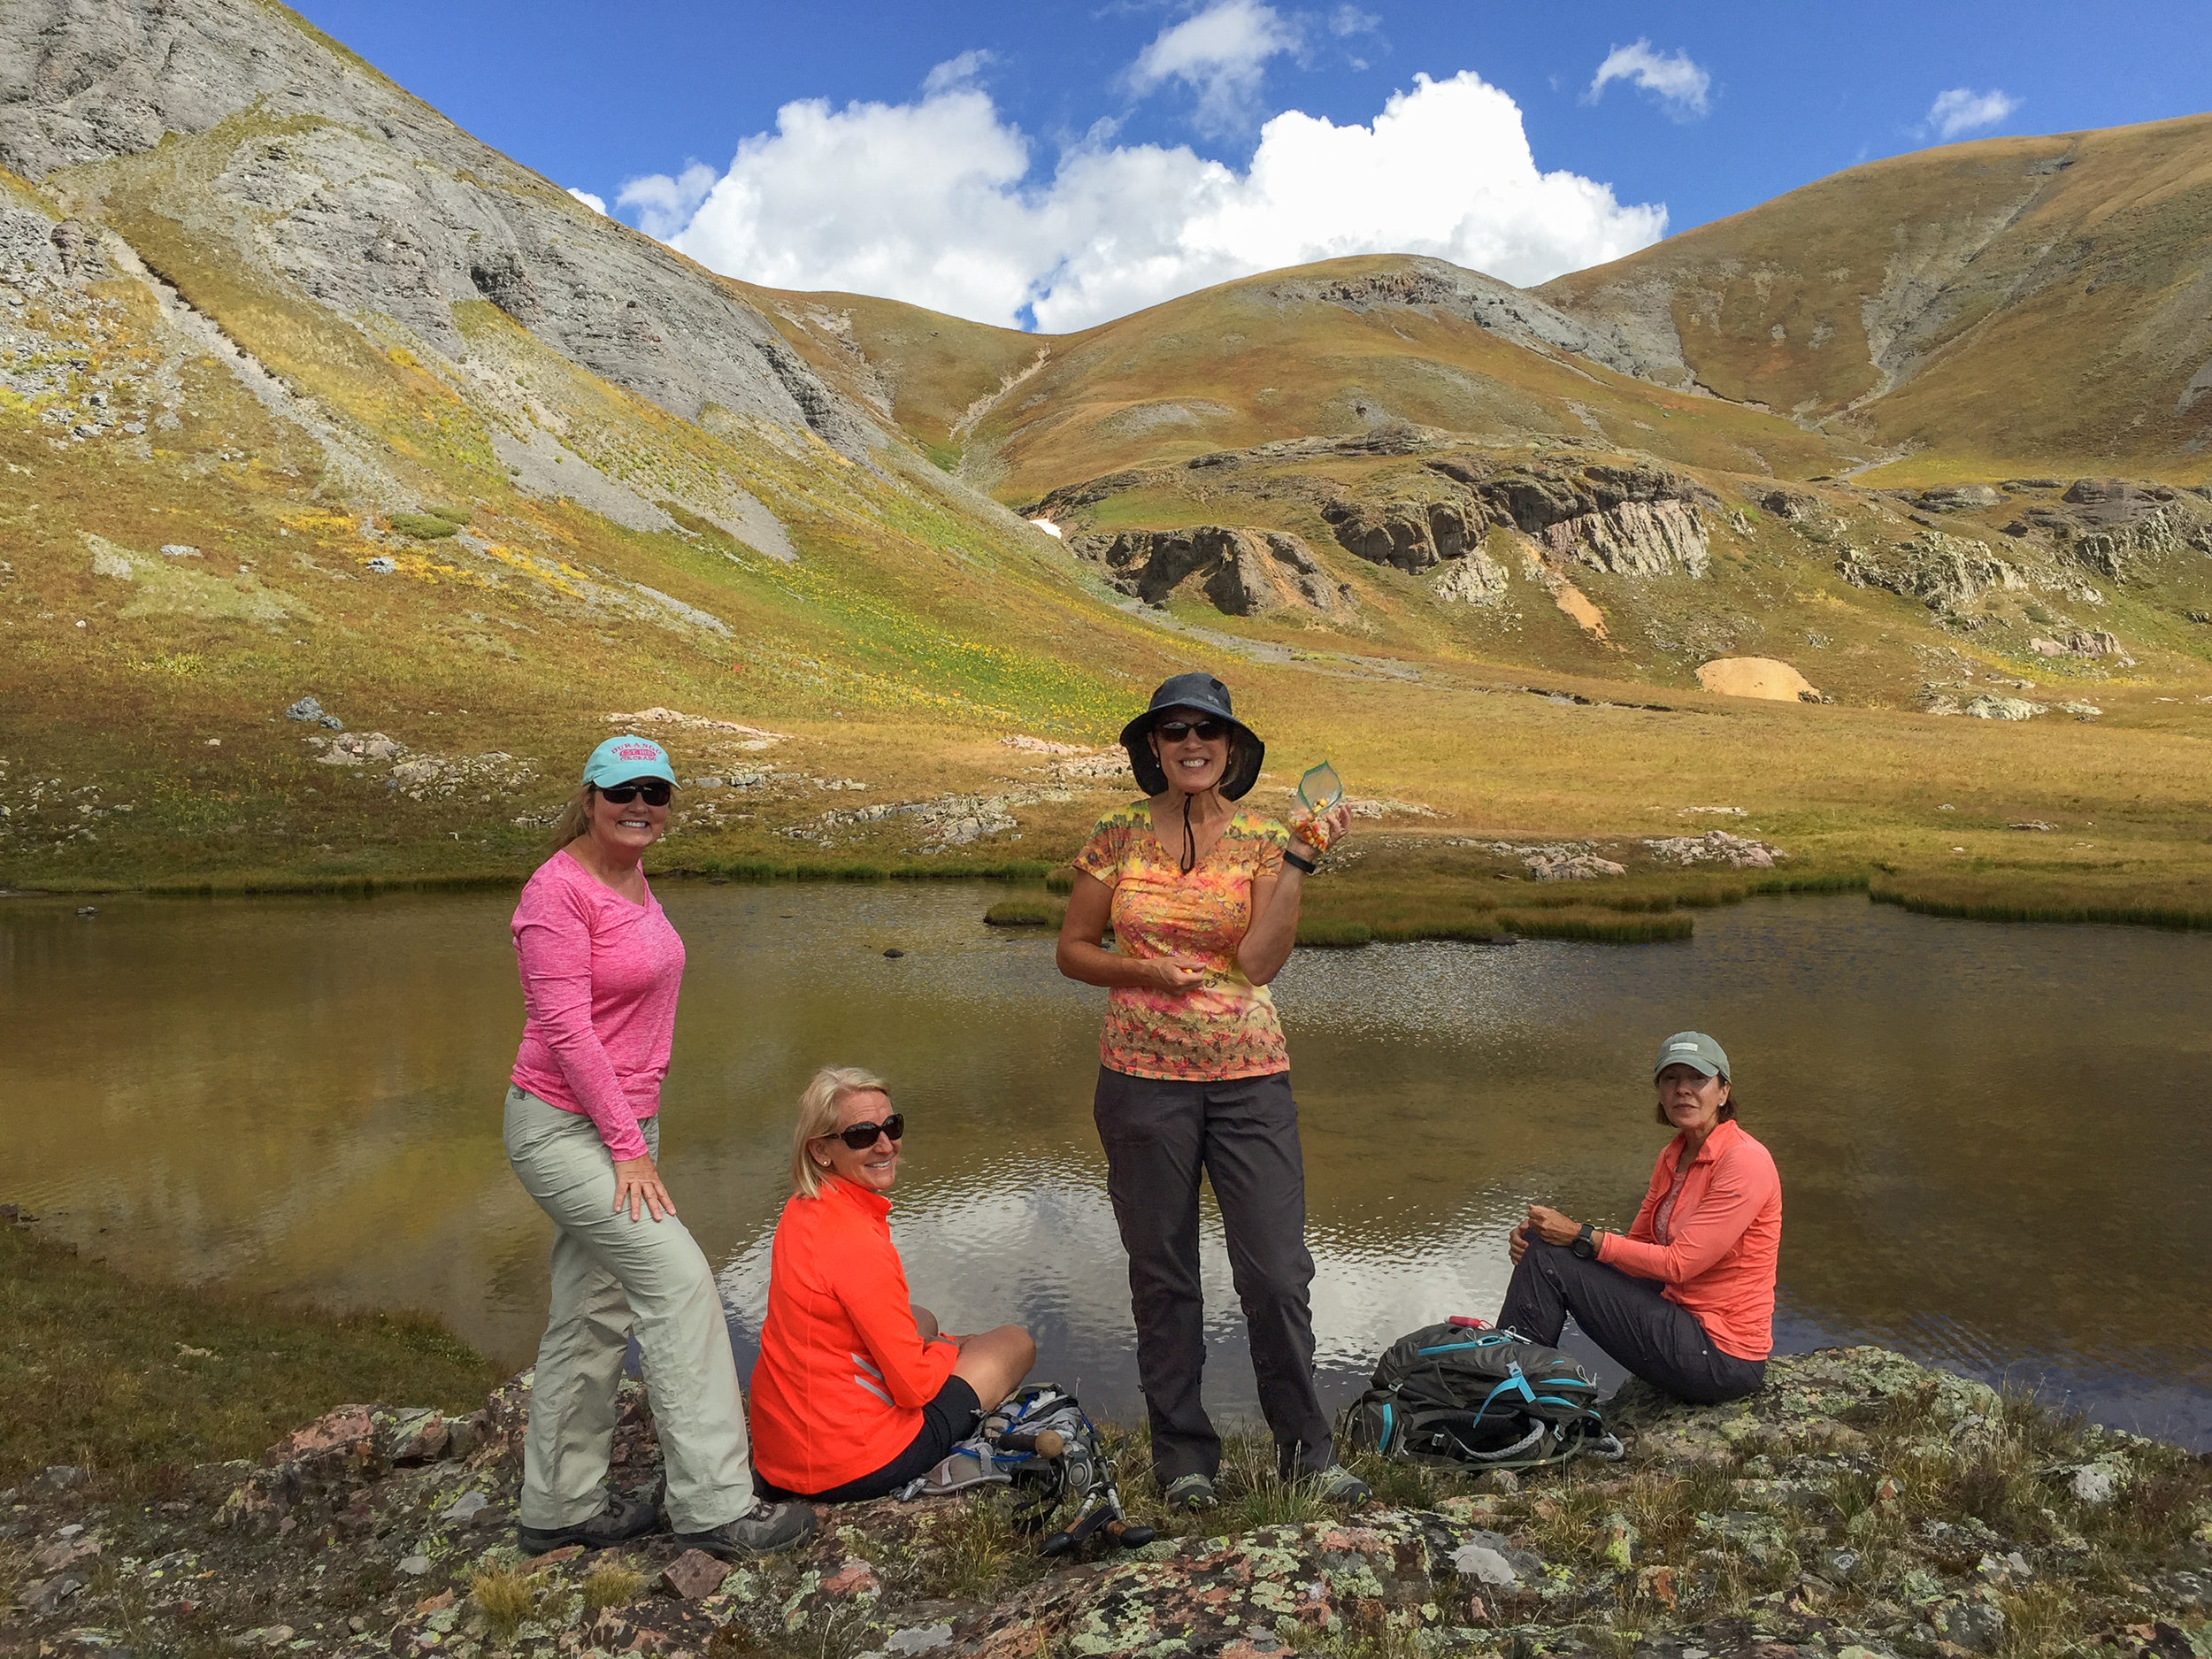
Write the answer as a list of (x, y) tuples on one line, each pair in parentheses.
[(1339, 1485), (762, 1530), (1189, 1492), (623, 1519)]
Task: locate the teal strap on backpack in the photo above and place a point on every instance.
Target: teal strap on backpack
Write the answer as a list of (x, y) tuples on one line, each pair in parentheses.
[(1515, 1381)]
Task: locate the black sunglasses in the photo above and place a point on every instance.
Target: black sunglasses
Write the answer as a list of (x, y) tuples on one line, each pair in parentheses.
[(656, 791), (860, 1137), (1206, 730)]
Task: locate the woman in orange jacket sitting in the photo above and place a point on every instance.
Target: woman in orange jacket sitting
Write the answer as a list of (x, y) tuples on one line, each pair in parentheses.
[(857, 1392), (1684, 1299)]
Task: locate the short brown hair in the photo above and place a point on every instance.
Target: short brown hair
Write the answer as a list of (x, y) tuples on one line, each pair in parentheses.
[(825, 1093)]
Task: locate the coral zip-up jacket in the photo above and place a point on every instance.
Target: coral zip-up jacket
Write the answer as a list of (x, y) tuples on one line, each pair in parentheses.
[(844, 1372), (1723, 1241)]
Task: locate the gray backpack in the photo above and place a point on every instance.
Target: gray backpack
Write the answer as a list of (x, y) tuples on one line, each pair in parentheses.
[(1471, 1394)]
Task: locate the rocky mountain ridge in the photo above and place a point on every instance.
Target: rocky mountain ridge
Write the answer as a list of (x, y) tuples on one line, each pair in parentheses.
[(311, 166), (2036, 297)]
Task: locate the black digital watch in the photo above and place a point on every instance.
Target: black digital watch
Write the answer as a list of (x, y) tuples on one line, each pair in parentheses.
[(1586, 1244)]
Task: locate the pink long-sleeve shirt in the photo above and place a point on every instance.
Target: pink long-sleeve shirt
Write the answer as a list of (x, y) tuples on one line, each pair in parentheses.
[(600, 977)]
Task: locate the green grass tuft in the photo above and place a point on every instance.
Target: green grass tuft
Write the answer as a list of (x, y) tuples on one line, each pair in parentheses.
[(1599, 929), (2002, 910), (505, 1596), (1026, 913), (426, 526), (612, 1583)]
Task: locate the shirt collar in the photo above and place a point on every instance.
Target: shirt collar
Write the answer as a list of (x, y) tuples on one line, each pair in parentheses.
[(872, 1204), (1723, 1131)]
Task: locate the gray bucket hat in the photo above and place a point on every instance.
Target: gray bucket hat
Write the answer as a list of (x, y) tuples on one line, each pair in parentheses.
[(1206, 694)]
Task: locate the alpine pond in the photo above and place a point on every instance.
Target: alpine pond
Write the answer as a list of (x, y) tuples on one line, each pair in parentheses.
[(1989, 1135)]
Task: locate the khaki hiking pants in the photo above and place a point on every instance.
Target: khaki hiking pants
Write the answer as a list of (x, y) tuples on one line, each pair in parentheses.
[(610, 1272)]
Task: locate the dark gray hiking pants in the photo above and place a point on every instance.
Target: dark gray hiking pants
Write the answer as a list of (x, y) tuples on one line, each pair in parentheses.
[(1159, 1135), (1659, 1341)]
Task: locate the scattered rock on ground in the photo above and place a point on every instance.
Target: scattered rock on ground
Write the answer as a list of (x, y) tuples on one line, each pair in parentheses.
[(330, 1530), (1714, 847), (357, 750), (1576, 867)]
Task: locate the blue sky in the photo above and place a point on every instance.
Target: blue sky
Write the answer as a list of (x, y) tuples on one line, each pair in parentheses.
[(1059, 154)]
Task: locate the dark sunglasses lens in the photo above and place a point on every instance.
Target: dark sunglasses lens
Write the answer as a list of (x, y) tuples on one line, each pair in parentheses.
[(860, 1137), (1176, 731), (655, 793)]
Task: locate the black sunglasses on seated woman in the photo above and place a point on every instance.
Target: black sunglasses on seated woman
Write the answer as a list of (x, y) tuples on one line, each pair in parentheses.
[(860, 1137), (656, 791), (1206, 730)]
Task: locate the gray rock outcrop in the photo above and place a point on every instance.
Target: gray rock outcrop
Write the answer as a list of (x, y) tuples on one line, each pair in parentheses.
[(1407, 535), (1476, 579), (1636, 538), (1945, 572), (1632, 520), (1958, 498), (321, 177), (1240, 573)]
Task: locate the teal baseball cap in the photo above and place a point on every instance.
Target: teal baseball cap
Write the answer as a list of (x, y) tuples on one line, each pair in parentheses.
[(1695, 1049), (627, 758)]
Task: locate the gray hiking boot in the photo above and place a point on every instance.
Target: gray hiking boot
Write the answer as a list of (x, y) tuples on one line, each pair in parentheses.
[(1189, 1492), (762, 1530), (622, 1520), (1339, 1485)]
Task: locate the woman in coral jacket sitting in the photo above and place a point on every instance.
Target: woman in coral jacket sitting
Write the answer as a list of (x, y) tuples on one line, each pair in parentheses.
[(1686, 1299), (857, 1392)]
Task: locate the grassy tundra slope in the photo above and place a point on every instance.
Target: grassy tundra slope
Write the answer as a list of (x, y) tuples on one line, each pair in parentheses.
[(2014, 305), (304, 392)]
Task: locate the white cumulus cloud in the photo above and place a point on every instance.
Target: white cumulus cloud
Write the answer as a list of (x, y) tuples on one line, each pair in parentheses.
[(1680, 85), (938, 202), (664, 206), (1961, 110), (597, 204), (1220, 54)]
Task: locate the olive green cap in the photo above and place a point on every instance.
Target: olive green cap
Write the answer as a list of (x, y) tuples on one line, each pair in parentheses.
[(1692, 1049)]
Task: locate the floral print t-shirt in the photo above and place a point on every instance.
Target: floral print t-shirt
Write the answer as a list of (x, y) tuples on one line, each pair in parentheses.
[(1225, 1027)]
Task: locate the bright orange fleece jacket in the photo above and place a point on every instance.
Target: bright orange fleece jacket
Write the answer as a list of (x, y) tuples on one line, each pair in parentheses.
[(844, 1372), (1724, 1240)]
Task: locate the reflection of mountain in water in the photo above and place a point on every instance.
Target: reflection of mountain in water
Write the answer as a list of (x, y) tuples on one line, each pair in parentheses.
[(1003, 1243)]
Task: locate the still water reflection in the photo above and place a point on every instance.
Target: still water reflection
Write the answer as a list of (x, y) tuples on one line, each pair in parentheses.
[(1992, 1140)]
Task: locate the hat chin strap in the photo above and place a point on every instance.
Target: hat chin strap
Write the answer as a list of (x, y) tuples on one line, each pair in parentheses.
[(1190, 837)]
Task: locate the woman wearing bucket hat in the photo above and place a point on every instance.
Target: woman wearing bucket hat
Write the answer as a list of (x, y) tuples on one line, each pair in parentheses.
[(601, 968), (1684, 1298), (1203, 898)]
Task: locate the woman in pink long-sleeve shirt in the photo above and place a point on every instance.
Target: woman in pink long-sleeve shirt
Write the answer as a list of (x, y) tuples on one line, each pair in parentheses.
[(601, 969), (1684, 1299)]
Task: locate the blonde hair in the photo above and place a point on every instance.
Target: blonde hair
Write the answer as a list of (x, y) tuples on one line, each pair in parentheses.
[(826, 1093), (575, 819)]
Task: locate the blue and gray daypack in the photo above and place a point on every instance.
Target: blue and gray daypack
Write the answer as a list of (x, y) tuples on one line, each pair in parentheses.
[(1469, 1394), (1040, 1443)]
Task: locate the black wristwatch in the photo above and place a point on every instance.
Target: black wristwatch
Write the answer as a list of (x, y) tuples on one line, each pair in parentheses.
[(1586, 1244), (1306, 864)]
